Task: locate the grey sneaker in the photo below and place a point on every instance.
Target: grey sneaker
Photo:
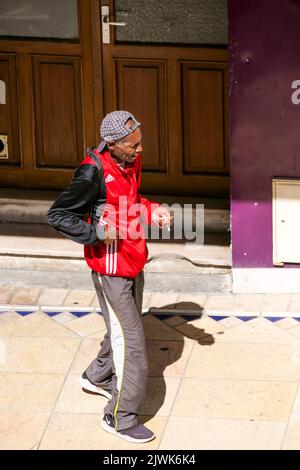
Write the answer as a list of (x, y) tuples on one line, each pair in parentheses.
[(137, 433), (87, 385)]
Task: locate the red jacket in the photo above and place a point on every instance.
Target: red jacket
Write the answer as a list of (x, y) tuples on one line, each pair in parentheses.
[(128, 253)]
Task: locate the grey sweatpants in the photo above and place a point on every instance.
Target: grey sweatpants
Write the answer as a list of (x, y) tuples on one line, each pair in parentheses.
[(121, 365)]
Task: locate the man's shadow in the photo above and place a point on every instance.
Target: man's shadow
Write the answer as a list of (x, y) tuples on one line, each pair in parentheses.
[(165, 345)]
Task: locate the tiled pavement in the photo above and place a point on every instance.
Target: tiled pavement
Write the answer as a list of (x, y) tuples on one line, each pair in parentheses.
[(285, 305), (224, 371)]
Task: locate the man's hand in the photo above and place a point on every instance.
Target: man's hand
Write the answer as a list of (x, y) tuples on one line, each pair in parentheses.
[(110, 234), (161, 216)]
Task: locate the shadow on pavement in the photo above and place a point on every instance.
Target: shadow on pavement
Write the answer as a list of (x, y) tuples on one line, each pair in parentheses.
[(164, 352)]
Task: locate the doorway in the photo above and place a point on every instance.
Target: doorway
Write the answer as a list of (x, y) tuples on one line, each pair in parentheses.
[(166, 62)]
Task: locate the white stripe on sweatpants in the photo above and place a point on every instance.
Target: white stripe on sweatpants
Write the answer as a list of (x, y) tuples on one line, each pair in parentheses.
[(117, 340)]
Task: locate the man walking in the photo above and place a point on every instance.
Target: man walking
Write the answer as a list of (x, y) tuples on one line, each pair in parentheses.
[(106, 186)]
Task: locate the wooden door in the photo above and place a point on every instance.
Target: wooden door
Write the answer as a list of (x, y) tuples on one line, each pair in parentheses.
[(50, 68), (178, 92)]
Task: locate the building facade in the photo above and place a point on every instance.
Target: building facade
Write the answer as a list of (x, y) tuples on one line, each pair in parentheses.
[(63, 66), (265, 145)]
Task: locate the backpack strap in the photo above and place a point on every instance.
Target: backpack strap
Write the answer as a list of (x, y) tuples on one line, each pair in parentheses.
[(102, 190), (96, 159)]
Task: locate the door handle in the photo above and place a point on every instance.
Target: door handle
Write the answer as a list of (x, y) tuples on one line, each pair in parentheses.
[(112, 23), (106, 24)]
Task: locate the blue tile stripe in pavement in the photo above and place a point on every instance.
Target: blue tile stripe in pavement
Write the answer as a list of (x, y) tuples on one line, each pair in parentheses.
[(163, 316), (244, 318), (24, 313), (218, 317), (80, 314), (190, 317), (76, 313), (50, 313), (274, 319)]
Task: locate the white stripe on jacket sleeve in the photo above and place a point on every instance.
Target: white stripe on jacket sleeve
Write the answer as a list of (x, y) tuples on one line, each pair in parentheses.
[(111, 258)]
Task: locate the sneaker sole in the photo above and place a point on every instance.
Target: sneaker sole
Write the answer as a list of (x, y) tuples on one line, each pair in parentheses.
[(87, 385), (111, 430)]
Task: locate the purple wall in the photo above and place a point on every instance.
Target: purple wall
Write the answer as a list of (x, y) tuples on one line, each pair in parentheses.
[(264, 123)]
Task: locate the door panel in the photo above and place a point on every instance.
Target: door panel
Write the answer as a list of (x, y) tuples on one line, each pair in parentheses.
[(203, 118), (58, 111), (9, 116), (39, 19), (141, 88)]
